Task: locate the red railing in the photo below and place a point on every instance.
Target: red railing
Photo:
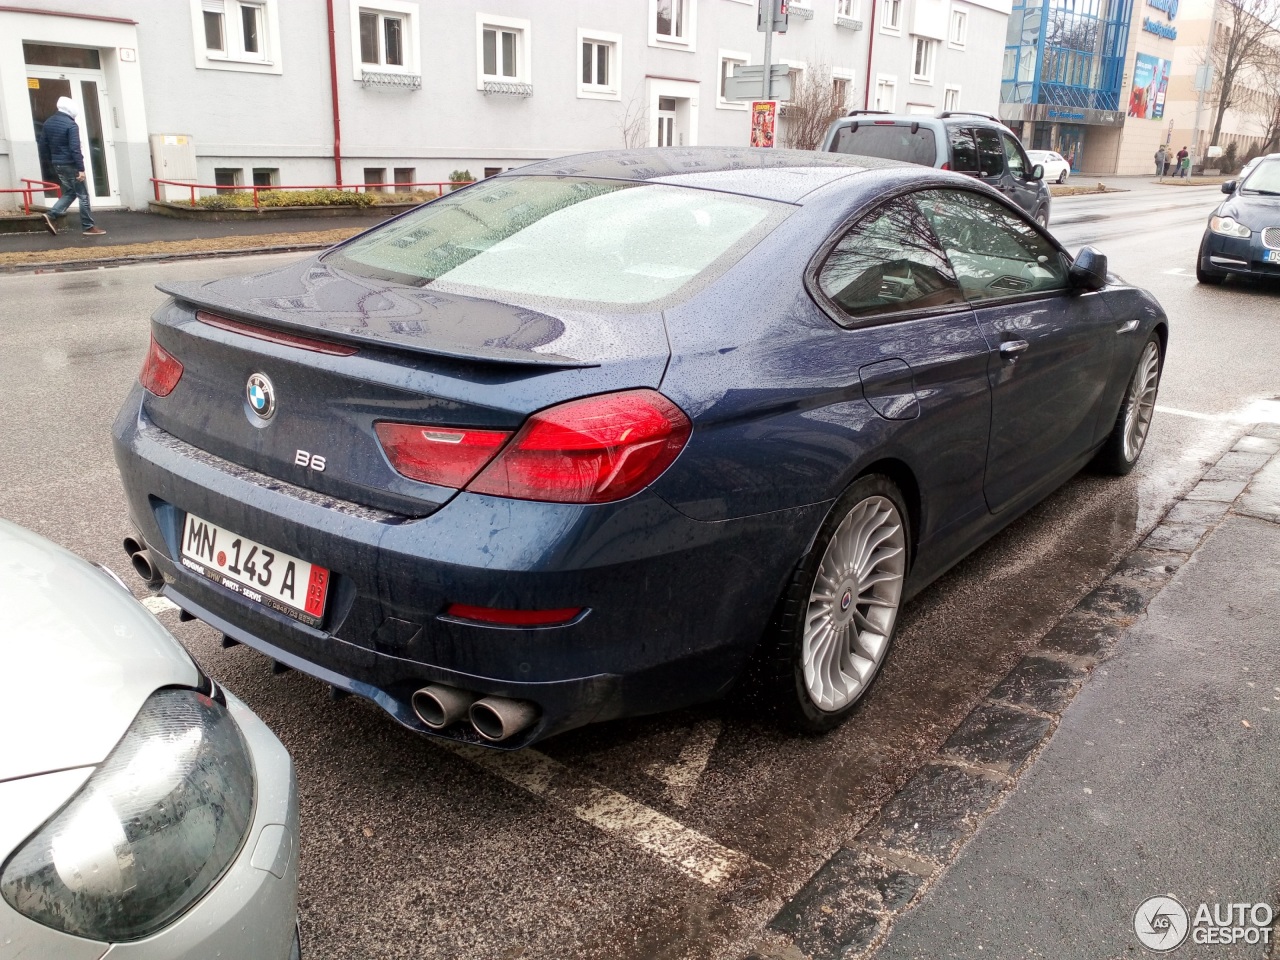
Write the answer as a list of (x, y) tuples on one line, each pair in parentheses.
[(33, 187), (391, 188)]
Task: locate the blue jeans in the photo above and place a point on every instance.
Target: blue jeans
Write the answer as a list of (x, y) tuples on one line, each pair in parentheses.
[(72, 188)]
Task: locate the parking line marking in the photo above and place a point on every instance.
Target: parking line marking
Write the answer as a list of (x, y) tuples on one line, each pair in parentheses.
[(159, 605), (692, 853), (681, 777)]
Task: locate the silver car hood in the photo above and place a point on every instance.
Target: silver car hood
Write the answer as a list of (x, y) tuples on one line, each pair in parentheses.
[(78, 656)]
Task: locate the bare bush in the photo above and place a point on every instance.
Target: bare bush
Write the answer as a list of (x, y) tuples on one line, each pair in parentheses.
[(816, 100)]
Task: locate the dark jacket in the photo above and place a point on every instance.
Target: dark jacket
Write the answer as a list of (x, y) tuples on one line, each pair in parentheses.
[(60, 142)]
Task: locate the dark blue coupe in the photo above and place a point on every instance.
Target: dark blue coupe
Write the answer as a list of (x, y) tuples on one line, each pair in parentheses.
[(610, 434), (1242, 237)]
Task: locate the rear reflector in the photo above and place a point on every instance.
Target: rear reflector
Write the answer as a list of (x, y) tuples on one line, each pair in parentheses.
[(511, 618), (276, 336), (593, 450), (446, 456), (161, 371)]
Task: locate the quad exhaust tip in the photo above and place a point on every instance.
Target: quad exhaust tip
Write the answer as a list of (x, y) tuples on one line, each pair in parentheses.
[(140, 557), (494, 718)]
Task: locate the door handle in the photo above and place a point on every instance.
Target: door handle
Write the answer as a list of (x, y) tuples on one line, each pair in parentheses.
[(1011, 348), (1128, 326)]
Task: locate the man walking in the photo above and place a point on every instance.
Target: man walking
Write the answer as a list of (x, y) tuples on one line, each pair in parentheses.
[(1162, 160), (1184, 165), (60, 145)]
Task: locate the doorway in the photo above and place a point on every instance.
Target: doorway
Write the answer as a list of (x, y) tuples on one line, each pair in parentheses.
[(666, 121), (85, 84)]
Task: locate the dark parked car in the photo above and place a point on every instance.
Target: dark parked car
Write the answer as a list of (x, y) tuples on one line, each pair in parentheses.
[(604, 435), (972, 143), (1243, 235)]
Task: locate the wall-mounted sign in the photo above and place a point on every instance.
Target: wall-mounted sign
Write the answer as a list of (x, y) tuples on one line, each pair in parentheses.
[(1160, 29), (764, 122), (128, 54), (1150, 83), (1170, 7)]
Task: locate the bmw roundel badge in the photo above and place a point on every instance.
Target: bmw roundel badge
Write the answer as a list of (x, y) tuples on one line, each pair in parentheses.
[(261, 395)]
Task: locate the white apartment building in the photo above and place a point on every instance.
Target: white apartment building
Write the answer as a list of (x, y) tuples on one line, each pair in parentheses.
[(397, 91)]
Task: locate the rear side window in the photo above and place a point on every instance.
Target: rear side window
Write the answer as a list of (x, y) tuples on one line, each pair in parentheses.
[(964, 152), (890, 141), (994, 251), (889, 262), (990, 152)]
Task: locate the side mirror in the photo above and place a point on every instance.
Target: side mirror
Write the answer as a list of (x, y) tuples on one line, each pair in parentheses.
[(1230, 186), (1037, 172), (1088, 270)]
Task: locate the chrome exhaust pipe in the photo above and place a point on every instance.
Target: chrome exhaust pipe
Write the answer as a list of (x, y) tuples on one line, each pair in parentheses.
[(140, 557), (497, 718), (439, 706), (132, 545)]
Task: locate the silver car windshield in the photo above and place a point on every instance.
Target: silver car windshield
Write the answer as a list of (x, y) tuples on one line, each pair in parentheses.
[(600, 241)]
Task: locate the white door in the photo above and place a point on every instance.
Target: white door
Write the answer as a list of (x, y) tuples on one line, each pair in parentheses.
[(87, 90), (666, 121)]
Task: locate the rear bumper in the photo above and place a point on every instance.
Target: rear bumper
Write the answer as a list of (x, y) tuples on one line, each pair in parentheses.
[(675, 605)]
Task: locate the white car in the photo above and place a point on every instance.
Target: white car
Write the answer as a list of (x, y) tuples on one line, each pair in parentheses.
[(1056, 168), (146, 813)]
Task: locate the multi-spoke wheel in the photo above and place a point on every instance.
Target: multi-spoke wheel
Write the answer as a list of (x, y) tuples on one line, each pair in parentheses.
[(836, 619), (1123, 447)]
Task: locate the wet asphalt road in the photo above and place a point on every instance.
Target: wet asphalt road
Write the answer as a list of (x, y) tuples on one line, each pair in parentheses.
[(670, 837)]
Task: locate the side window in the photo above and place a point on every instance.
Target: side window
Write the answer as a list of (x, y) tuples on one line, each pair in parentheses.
[(889, 262), (995, 252), (990, 153), (1014, 157), (964, 153)]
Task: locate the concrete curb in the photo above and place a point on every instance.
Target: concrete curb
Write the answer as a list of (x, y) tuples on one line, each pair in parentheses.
[(849, 906), (57, 266)]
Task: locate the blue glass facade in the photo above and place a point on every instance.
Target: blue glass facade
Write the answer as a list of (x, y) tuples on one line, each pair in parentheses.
[(1066, 53)]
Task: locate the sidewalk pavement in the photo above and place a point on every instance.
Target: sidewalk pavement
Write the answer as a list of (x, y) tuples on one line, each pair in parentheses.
[(1160, 780)]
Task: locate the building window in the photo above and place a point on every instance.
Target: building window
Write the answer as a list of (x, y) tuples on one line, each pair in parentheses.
[(729, 61), (847, 9), (405, 178), (266, 176), (951, 98), (502, 52), (840, 92), (236, 35), (381, 39), (375, 179), (598, 62), (959, 28), (923, 59), (227, 177), (891, 16), (671, 23), (491, 172), (384, 44), (886, 93)]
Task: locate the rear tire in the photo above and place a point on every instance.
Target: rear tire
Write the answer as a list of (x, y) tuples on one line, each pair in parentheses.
[(1042, 218), (835, 620), (1128, 437), (1062, 177)]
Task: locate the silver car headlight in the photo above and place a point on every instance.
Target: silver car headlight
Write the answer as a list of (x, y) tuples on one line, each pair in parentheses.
[(1229, 227), (149, 833)]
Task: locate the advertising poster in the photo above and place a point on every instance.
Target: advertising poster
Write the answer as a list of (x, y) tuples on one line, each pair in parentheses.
[(1150, 82), (764, 122)]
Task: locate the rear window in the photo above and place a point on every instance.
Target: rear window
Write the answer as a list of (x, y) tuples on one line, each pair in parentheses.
[(600, 241), (896, 142)]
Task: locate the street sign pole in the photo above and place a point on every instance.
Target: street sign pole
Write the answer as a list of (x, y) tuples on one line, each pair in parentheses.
[(766, 13)]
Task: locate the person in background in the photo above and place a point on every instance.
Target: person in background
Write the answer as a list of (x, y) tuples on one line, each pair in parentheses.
[(1162, 161), (1184, 162), (60, 146)]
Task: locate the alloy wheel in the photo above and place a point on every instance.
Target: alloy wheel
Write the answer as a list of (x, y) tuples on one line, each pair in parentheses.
[(1140, 404), (854, 603)]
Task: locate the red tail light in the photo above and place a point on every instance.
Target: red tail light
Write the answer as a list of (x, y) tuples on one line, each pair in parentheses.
[(946, 165), (441, 455), (511, 618), (589, 451), (161, 371)]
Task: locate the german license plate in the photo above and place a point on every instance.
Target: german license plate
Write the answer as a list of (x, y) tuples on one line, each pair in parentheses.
[(274, 579), (1271, 256)]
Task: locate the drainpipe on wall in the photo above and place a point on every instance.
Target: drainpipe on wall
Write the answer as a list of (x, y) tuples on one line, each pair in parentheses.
[(871, 42), (337, 115)]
